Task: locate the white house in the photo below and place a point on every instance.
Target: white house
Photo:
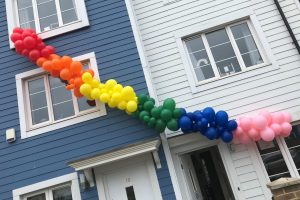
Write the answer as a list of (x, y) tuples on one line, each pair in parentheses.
[(234, 55)]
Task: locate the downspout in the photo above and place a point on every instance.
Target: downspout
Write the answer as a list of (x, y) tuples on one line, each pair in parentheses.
[(295, 41)]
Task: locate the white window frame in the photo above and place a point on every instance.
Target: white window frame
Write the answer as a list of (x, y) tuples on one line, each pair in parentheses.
[(219, 23), (13, 20), (24, 108), (297, 3), (49, 185)]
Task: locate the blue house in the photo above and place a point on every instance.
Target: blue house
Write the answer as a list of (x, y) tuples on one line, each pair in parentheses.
[(65, 148)]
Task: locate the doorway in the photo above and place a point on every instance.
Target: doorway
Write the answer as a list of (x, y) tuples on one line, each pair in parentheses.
[(205, 175)]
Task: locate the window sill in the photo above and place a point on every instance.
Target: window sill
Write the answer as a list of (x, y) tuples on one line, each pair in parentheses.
[(60, 30), (64, 123)]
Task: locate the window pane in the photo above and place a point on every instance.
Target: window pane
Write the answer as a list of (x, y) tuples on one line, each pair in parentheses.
[(38, 101), (47, 15), (69, 16), (62, 193), (37, 197), (62, 101), (66, 4), (199, 59), (293, 143), (223, 52), (273, 159), (26, 17), (24, 3), (28, 25), (246, 45)]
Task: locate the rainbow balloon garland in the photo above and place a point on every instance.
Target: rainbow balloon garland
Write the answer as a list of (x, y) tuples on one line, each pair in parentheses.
[(265, 126)]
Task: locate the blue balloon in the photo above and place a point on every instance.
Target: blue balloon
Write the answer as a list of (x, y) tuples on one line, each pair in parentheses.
[(212, 124), (191, 115), (227, 136), (209, 114), (204, 123), (232, 125), (198, 115), (185, 123), (195, 128), (221, 118), (211, 133), (183, 111)]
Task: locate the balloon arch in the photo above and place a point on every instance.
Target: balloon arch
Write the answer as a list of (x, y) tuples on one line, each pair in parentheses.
[(214, 125)]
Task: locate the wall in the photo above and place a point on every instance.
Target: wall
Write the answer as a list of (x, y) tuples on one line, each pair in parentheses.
[(274, 87), (45, 156)]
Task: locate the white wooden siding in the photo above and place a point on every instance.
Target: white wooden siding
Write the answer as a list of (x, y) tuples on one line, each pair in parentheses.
[(276, 89)]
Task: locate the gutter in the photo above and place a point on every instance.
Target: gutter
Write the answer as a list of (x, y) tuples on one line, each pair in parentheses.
[(295, 41)]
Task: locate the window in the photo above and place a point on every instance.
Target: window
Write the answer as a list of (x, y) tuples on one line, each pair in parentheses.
[(224, 51), (47, 105), (48, 17), (281, 157), (61, 188)]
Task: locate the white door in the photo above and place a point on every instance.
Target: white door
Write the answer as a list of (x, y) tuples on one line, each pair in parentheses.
[(191, 177), (132, 182)]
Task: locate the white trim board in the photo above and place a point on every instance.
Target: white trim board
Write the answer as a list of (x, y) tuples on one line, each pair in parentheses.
[(17, 193), (85, 116), (13, 20)]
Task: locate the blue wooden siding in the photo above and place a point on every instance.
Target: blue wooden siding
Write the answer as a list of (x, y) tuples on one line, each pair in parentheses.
[(45, 156)]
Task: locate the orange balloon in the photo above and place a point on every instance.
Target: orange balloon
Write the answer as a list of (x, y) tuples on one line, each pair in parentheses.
[(40, 61), (65, 74), (55, 73), (78, 82), (66, 61), (77, 93), (71, 81), (76, 67), (57, 64), (47, 65), (70, 87), (54, 56)]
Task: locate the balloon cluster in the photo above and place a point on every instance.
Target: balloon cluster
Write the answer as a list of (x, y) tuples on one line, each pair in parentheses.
[(29, 44), (212, 125), (265, 126), (160, 117), (112, 93)]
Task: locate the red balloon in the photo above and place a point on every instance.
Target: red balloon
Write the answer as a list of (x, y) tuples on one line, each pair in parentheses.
[(19, 45), (65, 74), (19, 51), (29, 42), (25, 34), (15, 36), (34, 35), (18, 30), (45, 52), (25, 52), (39, 40), (34, 54), (40, 45), (51, 49)]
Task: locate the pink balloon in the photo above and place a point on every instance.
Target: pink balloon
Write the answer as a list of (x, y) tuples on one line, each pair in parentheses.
[(277, 118), (257, 138), (276, 128), (287, 117), (245, 123), (244, 139), (286, 129), (267, 134), (253, 133), (260, 122), (267, 115), (238, 132)]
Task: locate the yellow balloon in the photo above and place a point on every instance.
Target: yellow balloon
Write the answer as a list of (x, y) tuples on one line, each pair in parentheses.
[(131, 106), (122, 105), (110, 84), (95, 83), (112, 104), (86, 77), (95, 94), (101, 86), (85, 89), (104, 97), (128, 93), (116, 96), (118, 88)]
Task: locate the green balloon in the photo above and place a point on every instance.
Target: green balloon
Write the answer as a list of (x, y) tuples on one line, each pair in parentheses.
[(152, 122), (146, 119), (148, 105), (177, 113), (143, 114), (166, 115), (155, 112), (136, 114), (169, 104), (160, 126), (140, 108), (173, 125), (151, 99), (142, 98)]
